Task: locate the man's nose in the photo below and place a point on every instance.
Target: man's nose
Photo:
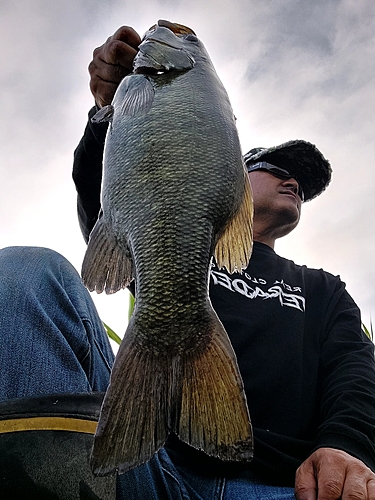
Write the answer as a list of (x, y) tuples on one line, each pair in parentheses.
[(293, 184)]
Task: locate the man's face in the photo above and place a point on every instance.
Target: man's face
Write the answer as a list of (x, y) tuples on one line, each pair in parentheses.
[(276, 199)]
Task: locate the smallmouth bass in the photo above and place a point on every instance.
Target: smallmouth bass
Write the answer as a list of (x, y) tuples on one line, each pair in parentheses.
[(174, 193)]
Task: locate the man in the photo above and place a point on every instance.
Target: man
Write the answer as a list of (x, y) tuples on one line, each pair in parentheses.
[(308, 369)]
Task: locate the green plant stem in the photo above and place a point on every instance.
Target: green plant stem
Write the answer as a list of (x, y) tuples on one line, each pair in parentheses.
[(111, 334)]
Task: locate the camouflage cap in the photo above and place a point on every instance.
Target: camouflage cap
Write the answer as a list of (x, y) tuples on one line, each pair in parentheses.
[(301, 159)]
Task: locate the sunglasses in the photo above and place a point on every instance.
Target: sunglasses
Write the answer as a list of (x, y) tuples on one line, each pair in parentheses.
[(277, 172)]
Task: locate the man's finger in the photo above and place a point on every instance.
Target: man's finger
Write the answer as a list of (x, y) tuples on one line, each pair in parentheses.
[(359, 483), (355, 488), (121, 47), (305, 484), (128, 35), (117, 52), (330, 487), (103, 92), (371, 489), (328, 467), (112, 73)]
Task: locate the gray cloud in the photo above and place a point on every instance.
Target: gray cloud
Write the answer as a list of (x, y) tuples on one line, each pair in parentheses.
[(292, 68)]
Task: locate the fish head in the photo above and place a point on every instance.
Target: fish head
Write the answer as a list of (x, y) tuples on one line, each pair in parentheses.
[(166, 47)]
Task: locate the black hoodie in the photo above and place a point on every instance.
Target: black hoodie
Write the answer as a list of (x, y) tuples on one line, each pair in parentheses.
[(308, 368)]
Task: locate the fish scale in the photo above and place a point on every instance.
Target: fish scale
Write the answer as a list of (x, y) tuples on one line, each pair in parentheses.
[(174, 193)]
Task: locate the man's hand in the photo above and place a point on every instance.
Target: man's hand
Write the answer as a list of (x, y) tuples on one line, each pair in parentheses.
[(111, 62), (330, 474)]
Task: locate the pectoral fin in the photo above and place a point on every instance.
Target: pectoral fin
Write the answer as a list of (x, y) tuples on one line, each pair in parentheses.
[(134, 96), (234, 247)]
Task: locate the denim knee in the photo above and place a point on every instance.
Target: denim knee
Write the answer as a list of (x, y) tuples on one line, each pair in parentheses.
[(52, 336), (31, 263)]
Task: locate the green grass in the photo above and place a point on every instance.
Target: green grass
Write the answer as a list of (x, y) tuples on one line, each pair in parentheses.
[(368, 332), (111, 334)]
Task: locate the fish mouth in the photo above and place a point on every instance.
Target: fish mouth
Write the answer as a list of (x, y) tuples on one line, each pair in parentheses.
[(177, 29), (163, 49), (145, 70)]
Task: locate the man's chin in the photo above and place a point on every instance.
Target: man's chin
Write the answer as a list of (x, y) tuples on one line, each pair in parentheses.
[(288, 219)]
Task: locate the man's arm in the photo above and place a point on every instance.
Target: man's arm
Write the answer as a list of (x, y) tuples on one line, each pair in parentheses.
[(87, 173), (111, 63), (339, 467)]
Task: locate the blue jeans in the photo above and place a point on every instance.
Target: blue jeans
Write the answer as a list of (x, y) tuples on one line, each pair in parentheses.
[(162, 478), (53, 341)]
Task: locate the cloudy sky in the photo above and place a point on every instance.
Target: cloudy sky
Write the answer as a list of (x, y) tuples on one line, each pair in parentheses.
[(294, 69)]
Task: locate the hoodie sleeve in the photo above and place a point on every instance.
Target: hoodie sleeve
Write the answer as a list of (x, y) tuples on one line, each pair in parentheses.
[(87, 173), (348, 383)]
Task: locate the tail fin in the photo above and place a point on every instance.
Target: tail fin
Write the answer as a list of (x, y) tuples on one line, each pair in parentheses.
[(198, 395), (135, 416), (214, 414)]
